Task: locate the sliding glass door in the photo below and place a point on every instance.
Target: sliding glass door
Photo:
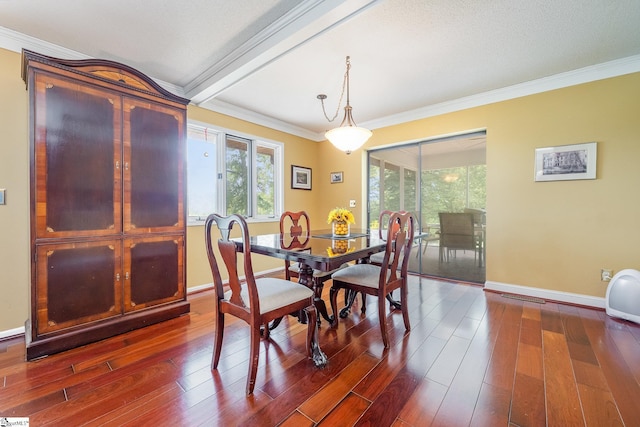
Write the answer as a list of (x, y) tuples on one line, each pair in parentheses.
[(447, 175)]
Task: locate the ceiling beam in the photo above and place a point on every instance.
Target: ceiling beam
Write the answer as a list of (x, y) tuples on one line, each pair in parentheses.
[(301, 24)]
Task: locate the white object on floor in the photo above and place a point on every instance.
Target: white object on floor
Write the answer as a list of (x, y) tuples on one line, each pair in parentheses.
[(623, 295)]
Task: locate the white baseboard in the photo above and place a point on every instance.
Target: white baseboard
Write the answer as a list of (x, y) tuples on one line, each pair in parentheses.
[(12, 332), (548, 294)]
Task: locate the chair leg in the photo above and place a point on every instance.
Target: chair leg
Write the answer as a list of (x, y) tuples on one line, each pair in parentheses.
[(218, 333), (382, 314), (253, 358), (405, 302), (333, 298)]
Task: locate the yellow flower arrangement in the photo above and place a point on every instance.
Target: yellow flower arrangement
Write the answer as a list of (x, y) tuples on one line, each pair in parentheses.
[(341, 214)]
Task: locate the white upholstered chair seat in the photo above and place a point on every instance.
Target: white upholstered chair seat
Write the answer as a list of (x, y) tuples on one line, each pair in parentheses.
[(274, 293), (360, 274), (378, 257)]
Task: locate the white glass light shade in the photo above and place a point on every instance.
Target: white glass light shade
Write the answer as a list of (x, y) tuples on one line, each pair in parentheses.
[(348, 138)]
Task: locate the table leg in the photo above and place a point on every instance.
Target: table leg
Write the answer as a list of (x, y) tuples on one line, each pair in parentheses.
[(317, 355), (306, 278), (350, 298)]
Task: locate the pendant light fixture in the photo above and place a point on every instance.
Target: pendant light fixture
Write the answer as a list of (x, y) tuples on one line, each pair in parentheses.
[(348, 136)]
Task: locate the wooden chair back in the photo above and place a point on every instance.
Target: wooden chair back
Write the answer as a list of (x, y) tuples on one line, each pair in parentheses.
[(400, 231), (294, 233), (295, 223), (229, 253)]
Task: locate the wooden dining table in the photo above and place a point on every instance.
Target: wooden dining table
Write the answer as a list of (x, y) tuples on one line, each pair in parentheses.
[(318, 250)]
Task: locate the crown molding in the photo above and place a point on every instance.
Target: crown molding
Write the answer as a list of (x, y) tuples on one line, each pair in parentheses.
[(259, 119), (592, 73)]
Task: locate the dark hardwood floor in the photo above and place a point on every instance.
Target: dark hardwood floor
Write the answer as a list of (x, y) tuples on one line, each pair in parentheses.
[(472, 358)]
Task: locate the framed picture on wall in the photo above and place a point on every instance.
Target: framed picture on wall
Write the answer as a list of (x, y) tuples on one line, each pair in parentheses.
[(566, 162), (336, 177), (300, 177)]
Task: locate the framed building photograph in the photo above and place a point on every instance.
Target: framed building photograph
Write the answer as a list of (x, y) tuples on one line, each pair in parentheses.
[(336, 177), (300, 177), (566, 162)]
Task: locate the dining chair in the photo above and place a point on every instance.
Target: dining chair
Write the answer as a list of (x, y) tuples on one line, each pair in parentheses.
[(457, 232), (257, 301), (297, 225), (381, 280)]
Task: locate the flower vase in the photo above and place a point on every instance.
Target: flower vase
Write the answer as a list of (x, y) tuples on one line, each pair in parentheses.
[(340, 228)]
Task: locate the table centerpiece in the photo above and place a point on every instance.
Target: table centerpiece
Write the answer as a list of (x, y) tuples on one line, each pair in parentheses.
[(340, 220)]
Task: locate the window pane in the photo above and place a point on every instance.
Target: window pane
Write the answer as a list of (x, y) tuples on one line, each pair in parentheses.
[(410, 188), (391, 187), (443, 190), (477, 186), (374, 193), (237, 176), (266, 181), (201, 173)]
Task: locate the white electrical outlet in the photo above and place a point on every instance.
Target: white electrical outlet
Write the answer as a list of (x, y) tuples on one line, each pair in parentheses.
[(606, 275), (352, 203)]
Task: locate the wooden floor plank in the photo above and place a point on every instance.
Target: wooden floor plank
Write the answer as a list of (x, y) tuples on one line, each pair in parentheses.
[(562, 399), (347, 412)]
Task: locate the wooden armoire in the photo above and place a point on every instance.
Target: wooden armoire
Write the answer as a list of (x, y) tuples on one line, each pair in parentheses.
[(107, 202)]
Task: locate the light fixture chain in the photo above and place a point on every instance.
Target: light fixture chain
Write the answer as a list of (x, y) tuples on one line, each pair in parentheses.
[(344, 85)]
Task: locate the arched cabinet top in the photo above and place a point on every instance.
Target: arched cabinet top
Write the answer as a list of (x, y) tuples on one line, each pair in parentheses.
[(109, 73)]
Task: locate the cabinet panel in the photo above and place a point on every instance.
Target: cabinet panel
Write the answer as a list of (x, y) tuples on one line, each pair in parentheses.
[(77, 283), (154, 271), (77, 146), (153, 195)]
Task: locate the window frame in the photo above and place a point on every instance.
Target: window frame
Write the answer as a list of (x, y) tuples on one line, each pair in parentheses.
[(254, 142)]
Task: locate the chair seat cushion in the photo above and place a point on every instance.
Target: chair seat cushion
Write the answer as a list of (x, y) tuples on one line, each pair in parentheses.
[(275, 293), (360, 274), (378, 257), (295, 268)]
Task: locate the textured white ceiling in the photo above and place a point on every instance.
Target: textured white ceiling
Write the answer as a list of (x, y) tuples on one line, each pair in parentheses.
[(266, 60)]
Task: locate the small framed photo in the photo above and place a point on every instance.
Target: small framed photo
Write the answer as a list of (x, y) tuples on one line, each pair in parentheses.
[(2, 201), (336, 177), (566, 162), (300, 177)]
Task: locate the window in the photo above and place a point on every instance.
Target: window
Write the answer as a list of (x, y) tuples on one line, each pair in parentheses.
[(232, 174)]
